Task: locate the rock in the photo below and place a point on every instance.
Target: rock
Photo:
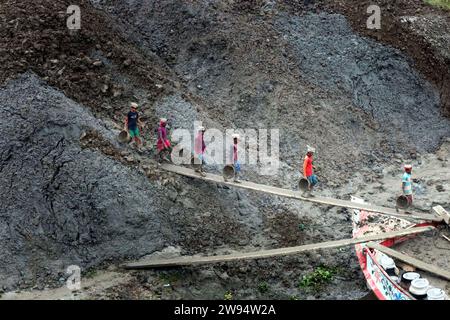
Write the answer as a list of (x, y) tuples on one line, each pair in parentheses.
[(116, 93), (97, 63), (224, 276), (187, 203), (127, 62), (172, 195)]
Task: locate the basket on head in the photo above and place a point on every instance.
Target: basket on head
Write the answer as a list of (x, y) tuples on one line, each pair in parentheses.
[(124, 136), (303, 184), (402, 202), (228, 171)]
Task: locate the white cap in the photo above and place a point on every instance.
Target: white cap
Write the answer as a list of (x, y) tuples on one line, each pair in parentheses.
[(235, 136), (310, 149), (134, 105), (201, 129), (408, 166), (163, 120)]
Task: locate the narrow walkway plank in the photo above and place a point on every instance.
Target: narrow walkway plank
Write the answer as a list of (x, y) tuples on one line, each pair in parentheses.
[(410, 260), (190, 260), (297, 195)]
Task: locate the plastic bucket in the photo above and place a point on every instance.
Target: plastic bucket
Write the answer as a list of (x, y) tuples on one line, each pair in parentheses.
[(303, 184), (407, 277), (402, 202), (389, 265), (419, 288), (124, 137), (435, 294), (228, 172)]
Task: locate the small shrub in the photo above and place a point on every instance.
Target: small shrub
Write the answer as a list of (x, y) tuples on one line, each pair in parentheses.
[(263, 287), (228, 295), (319, 277)]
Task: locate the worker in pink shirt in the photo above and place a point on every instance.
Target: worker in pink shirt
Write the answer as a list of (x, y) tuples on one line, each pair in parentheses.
[(199, 150), (163, 144), (234, 160)]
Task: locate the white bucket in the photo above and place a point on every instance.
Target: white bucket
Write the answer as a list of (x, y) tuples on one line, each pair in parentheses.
[(435, 294), (419, 288)]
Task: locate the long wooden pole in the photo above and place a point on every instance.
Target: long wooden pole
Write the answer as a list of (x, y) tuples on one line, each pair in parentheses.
[(297, 195), (192, 260)]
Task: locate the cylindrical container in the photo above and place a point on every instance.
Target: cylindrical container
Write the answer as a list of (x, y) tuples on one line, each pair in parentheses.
[(407, 277), (228, 172), (303, 184), (124, 136), (395, 279), (435, 294), (402, 202), (388, 264), (419, 288)]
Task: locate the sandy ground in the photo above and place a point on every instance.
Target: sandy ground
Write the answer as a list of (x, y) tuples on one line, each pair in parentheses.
[(90, 288)]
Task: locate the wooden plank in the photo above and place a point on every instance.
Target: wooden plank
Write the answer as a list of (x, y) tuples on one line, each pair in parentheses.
[(410, 260), (192, 260), (298, 195)]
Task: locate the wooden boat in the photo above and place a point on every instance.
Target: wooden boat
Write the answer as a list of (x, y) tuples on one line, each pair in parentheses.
[(383, 285)]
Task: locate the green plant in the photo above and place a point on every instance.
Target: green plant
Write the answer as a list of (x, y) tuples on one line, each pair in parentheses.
[(228, 295), (319, 277), (294, 297), (263, 287), (439, 3)]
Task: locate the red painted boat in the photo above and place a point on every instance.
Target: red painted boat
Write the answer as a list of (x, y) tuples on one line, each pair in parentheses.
[(383, 285)]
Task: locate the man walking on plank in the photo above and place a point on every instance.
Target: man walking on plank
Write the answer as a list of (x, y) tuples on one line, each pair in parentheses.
[(308, 169)]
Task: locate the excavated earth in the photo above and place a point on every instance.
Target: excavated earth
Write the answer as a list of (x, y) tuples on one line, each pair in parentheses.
[(72, 195)]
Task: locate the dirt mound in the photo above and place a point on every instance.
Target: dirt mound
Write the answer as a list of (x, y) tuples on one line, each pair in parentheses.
[(94, 65), (64, 203), (425, 48)]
